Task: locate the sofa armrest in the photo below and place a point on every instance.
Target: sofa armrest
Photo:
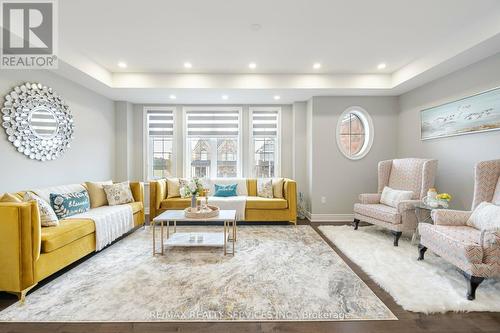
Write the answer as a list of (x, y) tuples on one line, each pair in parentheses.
[(20, 243), (490, 242), (370, 198), (450, 217), (290, 195), (405, 205), (137, 189), (157, 193)]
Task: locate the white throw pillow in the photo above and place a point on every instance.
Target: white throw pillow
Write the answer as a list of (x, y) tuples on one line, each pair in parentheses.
[(391, 197), (486, 216), (496, 196), (265, 188), (119, 193), (48, 217)]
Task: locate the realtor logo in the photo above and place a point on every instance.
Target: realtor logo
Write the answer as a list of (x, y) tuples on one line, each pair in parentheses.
[(28, 34)]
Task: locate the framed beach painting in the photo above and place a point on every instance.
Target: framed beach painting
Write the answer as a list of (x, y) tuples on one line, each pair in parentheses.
[(473, 114)]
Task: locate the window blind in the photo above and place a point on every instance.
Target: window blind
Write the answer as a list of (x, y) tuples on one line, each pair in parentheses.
[(160, 122), (265, 123), (210, 123)]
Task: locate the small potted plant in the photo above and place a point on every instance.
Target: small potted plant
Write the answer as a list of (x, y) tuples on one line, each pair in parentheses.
[(192, 189), (444, 199)]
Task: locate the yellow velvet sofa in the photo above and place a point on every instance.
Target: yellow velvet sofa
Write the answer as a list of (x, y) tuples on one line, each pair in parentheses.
[(29, 252), (257, 208)]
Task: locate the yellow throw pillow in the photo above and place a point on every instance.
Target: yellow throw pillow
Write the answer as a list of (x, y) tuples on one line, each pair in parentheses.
[(278, 184), (7, 197), (174, 187), (96, 193)]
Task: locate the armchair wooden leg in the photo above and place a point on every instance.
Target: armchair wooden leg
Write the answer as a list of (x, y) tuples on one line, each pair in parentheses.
[(356, 223), (472, 283), (397, 235), (421, 251)]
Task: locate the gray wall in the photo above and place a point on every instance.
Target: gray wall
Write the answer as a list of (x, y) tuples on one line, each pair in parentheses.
[(91, 155), (332, 175), (457, 155)]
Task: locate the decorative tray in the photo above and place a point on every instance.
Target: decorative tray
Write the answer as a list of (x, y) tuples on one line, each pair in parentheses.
[(196, 213)]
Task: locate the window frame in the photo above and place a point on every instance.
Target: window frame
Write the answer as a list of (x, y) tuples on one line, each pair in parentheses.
[(145, 130), (251, 145), (186, 160), (367, 121)]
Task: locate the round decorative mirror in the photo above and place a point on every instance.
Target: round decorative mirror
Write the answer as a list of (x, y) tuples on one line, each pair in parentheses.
[(37, 121)]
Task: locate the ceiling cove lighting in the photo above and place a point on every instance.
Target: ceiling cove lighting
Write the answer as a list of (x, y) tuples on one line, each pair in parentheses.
[(225, 97), (382, 65), (277, 97), (317, 65), (252, 65), (172, 97), (122, 64), (187, 64)]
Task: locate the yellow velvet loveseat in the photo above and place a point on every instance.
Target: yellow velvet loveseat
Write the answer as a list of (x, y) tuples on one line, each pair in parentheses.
[(29, 252), (257, 208)]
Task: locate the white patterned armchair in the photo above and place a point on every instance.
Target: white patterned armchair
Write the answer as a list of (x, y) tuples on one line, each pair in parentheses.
[(474, 250), (409, 174)]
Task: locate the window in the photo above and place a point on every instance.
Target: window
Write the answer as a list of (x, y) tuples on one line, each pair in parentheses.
[(160, 134), (355, 133), (265, 142), (213, 142)]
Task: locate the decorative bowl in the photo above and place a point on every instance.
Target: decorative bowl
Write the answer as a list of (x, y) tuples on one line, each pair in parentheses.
[(196, 213)]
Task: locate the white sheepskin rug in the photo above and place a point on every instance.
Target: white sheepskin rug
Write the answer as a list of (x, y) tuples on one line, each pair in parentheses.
[(429, 286)]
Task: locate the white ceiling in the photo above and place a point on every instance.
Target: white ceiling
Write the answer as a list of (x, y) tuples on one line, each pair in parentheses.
[(419, 41)]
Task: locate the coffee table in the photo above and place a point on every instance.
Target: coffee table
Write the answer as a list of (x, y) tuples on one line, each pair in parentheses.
[(190, 239)]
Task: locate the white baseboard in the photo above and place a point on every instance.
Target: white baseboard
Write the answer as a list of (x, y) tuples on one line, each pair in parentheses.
[(329, 217)]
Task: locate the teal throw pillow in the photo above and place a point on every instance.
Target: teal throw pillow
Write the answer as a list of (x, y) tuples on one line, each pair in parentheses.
[(69, 204), (225, 190)]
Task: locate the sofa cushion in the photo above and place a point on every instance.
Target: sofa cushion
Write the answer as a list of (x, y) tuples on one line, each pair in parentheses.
[(68, 204), (136, 206), (278, 184), (391, 197), (266, 203), (48, 217), (66, 232), (379, 212), (175, 203), (460, 244), (119, 193)]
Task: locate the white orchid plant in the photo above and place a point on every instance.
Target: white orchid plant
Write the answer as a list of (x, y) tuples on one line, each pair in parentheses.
[(193, 187)]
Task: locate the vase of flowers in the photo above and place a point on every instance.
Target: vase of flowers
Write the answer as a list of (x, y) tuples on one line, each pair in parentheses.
[(192, 188), (444, 199)]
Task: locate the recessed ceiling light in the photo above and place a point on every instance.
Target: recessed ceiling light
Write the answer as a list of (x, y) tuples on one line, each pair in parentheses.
[(225, 97), (122, 64), (252, 65), (188, 65), (382, 65), (317, 65), (277, 97), (172, 97)]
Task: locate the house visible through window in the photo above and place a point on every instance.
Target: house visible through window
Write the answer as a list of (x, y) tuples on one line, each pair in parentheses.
[(212, 143), (354, 133), (265, 142), (160, 134)]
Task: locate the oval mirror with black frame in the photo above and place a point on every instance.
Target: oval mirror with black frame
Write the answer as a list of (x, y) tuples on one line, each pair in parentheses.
[(37, 121)]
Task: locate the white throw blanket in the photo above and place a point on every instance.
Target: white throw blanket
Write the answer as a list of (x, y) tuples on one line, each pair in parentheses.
[(110, 222), (231, 203)]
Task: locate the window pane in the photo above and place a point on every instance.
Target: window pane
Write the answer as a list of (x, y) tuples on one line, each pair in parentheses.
[(345, 127), (200, 157), (227, 157), (264, 157), (356, 125), (160, 157), (356, 144), (345, 143)]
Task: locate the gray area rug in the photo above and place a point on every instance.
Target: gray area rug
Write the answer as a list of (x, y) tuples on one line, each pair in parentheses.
[(429, 286), (278, 273)]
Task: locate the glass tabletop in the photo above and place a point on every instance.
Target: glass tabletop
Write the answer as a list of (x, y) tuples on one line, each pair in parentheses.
[(422, 205)]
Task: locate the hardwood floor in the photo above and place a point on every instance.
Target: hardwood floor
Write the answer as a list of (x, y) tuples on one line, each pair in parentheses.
[(408, 322)]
